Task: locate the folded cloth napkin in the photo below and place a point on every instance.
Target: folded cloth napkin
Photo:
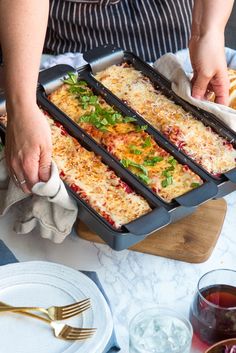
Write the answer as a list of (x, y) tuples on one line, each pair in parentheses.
[(7, 257), (170, 66), (49, 209)]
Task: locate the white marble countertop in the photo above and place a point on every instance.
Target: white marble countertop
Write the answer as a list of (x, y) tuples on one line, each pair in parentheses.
[(132, 281)]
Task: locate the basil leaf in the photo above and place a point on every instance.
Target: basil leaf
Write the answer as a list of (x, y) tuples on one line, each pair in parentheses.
[(195, 185), (147, 142), (129, 119), (153, 160), (127, 162), (144, 178), (134, 150), (141, 128), (172, 161), (166, 182)]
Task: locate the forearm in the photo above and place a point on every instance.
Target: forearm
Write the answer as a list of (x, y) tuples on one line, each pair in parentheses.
[(206, 49), (210, 16), (22, 31)]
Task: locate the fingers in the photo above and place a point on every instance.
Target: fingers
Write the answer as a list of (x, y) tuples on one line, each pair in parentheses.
[(29, 168), (29, 172), (219, 84), (19, 178), (200, 84), (23, 169), (45, 166)]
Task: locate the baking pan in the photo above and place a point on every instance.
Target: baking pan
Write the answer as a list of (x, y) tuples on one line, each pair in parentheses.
[(105, 56), (130, 233), (190, 199)]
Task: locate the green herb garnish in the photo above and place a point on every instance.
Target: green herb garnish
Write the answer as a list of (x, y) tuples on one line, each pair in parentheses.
[(100, 117), (144, 178), (72, 78), (141, 128), (195, 185), (147, 142), (134, 150), (152, 161), (166, 173), (129, 119), (166, 182), (128, 163), (172, 161)]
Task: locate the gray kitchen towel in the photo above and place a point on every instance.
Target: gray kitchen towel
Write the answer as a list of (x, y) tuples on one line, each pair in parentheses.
[(7, 257), (49, 209)]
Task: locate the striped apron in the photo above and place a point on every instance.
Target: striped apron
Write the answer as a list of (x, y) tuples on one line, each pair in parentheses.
[(149, 28)]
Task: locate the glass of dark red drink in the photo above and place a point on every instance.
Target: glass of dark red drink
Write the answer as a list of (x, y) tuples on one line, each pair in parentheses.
[(213, 311)]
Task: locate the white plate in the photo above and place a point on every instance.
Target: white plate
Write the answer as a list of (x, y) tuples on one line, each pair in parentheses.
[(39, 283)]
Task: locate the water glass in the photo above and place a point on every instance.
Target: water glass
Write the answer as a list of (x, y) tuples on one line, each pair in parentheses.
[(160, 330)]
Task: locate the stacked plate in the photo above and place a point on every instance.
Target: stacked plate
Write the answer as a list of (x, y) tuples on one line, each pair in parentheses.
[(45, 284)]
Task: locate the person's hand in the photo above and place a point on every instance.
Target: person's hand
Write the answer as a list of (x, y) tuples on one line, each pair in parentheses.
[(209, 67), (28, 147)]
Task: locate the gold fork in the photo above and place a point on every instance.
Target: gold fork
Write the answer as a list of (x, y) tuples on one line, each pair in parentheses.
[(54, 312), (62, 331)]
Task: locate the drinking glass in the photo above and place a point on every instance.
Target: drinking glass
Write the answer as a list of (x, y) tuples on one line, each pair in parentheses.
[(213, 310), (160, 330)]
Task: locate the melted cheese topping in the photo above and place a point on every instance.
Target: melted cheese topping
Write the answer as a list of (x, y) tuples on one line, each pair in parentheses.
[(94, 181), (119, 140), (190, 135), (69, 104), (182, 178)]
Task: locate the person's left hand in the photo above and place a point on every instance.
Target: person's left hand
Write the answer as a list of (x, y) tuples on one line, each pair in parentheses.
[(209, 67)]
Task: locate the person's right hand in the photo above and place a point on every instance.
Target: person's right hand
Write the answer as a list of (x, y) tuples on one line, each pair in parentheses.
[(208, 60), (28, 147)]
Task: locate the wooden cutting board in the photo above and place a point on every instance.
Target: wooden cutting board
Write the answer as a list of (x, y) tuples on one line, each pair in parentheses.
[(191, 239)]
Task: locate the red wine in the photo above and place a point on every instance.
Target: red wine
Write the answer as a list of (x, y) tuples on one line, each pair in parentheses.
[(216, 321)]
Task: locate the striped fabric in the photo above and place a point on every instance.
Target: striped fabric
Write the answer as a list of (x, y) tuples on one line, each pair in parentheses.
[(149, 28)]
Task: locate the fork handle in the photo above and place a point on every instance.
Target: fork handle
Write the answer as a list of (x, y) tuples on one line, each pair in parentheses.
[(7, 307), (19, 308), (38, 317)]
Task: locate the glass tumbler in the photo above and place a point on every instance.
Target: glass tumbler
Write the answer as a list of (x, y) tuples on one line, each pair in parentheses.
[(213, 310), (160, 330)]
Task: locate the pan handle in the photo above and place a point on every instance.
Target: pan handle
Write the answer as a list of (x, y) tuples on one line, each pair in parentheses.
[(231, 175), (147, 224), (101, 57), (201, 194), (51, 78)]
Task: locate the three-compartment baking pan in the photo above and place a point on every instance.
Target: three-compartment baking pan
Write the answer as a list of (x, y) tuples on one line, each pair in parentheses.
[(181, 206)]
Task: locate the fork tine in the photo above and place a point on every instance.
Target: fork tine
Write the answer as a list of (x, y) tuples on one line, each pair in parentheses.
[(79, 335), (75, 338), (72, 333), (75, 305), (75, 312), (76, 330)]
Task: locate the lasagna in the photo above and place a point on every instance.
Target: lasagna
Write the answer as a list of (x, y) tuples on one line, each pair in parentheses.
[(128, 142), (214, 153), (93, 181)]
